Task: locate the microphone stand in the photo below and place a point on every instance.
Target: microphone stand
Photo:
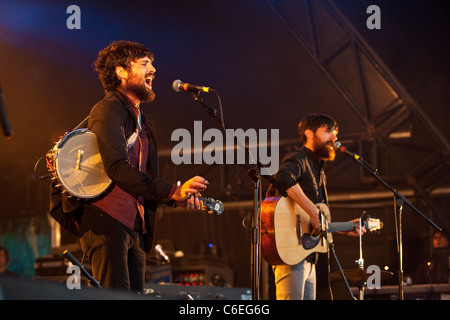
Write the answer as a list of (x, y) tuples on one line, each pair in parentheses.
[(92, 281), (360, 262), (331, 246), (399, 201), (255, 176), (324, 236)]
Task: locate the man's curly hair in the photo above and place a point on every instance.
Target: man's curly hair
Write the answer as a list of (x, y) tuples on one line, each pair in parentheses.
[(119, 53)]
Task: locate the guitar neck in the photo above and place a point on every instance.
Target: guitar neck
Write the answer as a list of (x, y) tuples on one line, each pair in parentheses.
[(341, 226)]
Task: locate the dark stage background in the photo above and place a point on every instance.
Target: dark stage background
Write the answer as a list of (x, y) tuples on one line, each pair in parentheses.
[(272, 62)]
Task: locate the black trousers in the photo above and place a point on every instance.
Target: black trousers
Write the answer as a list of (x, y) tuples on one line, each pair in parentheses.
[(114, 251)]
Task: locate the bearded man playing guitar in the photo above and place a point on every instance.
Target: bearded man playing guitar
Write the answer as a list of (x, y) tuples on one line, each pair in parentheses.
[(301, 175)]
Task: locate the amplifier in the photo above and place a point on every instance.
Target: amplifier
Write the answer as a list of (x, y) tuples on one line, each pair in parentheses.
[(52, 265), (182, 292), (203, 274), (158, 273), (55, 265)]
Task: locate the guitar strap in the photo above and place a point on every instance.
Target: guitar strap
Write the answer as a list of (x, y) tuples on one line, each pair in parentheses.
[(131, 140), (324, 186), (83, 124)]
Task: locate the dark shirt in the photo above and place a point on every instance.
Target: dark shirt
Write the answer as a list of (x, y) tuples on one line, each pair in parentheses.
[(305, 168)]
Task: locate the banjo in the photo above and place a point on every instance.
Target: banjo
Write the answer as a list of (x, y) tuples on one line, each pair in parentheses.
[(75, 162)]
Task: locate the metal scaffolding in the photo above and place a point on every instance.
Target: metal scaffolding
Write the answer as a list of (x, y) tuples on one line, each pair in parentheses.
[(396, 126)]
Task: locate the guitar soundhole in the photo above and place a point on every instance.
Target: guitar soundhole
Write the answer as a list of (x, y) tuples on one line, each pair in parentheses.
[(309, 241)]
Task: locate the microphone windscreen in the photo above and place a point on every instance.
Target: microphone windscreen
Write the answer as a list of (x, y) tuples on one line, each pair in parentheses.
[(337, 145), (176, 85)]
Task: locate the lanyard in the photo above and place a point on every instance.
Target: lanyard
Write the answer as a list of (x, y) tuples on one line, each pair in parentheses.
[(132, 139)]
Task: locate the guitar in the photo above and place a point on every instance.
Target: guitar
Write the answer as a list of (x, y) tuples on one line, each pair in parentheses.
[(285, 231)]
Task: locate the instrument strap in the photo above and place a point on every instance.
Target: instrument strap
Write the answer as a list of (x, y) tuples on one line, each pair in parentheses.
[(132, 139)]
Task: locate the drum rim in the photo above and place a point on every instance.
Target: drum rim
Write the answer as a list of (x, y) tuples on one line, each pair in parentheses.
[(58, 147)]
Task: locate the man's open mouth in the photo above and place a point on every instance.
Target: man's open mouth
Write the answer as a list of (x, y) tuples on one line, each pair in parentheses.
[(148, 81)]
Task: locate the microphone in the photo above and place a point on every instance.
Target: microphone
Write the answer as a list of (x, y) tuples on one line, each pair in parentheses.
[(338, 146), (159, 249), (4, 118), (178, 86)]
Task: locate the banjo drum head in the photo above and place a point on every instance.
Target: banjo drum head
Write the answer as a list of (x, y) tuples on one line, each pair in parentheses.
[(79, 166)]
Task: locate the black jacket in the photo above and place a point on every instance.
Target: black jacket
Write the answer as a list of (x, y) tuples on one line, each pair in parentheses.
[(113, 121)]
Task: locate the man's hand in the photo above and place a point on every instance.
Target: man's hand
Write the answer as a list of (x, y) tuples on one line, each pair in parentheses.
[(297, 194), (193, 186), (357, 231), (315, 223)]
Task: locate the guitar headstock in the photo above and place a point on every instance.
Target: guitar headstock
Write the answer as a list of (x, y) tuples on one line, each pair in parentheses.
[(372, 224), (212, 206)]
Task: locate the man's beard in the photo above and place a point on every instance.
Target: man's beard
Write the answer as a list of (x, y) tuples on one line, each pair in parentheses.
[(324, 150), (139, 89)]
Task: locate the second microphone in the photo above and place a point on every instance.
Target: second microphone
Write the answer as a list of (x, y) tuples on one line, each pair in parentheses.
[(178, 86)]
